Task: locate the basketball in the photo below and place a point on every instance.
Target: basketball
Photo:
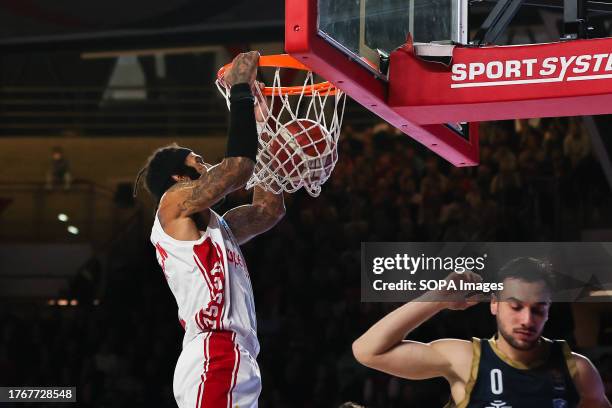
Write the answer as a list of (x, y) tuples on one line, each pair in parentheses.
[(302, 150)]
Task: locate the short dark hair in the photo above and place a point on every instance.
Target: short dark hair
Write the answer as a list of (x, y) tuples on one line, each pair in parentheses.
[(528, 269), (160, 167)]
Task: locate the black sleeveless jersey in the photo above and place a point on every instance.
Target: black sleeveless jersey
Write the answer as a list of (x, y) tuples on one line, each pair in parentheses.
[(498, 382)]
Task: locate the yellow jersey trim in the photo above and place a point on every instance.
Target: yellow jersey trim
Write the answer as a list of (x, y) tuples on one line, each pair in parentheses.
[(569, 359), (517, 364), (469, 386)]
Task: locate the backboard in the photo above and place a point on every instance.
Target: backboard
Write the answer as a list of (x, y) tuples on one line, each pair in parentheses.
[(349, 43), (367, 29)]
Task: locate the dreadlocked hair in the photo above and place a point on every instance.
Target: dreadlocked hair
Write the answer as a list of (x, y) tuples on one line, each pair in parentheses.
[(160, 167)]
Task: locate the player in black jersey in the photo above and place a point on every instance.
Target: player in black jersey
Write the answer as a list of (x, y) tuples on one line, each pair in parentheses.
[(517, 368)]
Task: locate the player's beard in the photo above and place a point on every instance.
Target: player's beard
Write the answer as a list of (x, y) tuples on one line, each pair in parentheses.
[(511, 340), (190, 172)]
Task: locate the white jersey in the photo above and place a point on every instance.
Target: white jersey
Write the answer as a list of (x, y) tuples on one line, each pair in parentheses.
[(210, 282)]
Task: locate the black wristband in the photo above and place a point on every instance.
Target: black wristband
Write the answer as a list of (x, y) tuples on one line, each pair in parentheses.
[(241, 91), (242, 135)]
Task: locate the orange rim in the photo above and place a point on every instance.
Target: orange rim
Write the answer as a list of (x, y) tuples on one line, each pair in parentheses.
[(287, 61)]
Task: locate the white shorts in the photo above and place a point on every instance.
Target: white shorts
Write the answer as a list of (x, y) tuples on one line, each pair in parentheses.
[(214, 371)]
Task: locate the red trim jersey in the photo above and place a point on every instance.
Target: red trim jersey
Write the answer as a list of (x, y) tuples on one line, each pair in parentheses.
[(210, 282)]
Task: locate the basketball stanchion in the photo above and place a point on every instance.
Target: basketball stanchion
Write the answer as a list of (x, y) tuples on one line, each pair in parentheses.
[(298, 128)]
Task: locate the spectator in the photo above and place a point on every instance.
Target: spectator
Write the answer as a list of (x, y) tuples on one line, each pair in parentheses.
[(59, 170), (506, 185), (576, 145)]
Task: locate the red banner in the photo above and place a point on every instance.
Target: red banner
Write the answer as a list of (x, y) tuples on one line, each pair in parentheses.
[(555, 79)]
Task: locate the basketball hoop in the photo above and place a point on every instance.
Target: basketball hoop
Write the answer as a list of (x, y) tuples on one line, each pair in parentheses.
[(298, 131)]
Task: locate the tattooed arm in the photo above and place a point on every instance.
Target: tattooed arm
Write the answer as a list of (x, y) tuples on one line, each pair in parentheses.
[(267, 208), (189, 197), (250, 220), (193, 196)]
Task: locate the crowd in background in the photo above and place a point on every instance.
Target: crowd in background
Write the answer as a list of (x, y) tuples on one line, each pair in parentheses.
[(536, 181), (531, 182)]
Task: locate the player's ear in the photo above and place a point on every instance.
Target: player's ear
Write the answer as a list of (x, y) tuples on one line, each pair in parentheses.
[(494, 304)]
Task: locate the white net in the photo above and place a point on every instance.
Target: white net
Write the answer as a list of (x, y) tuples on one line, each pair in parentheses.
[(298, 135)]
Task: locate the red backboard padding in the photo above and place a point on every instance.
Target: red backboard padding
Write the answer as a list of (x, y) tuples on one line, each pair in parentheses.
[(506, 82)]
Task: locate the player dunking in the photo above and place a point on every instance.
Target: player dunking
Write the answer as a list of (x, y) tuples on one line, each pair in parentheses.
[(517, 368), (199, 253)]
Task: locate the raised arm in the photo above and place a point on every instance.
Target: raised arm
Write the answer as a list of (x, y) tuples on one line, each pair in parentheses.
[(248, 221), (383, 346), (193, 196), (188, 197), (267, 208)]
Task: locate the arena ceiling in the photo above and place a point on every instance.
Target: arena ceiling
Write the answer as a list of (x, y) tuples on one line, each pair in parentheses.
[(35, 25), (48, 88), (30, 25)]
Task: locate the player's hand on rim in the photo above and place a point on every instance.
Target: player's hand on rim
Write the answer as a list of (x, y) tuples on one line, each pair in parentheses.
[(243, 69)]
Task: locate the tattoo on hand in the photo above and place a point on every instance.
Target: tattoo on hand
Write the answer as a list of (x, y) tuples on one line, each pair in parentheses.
[(244, 69)]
